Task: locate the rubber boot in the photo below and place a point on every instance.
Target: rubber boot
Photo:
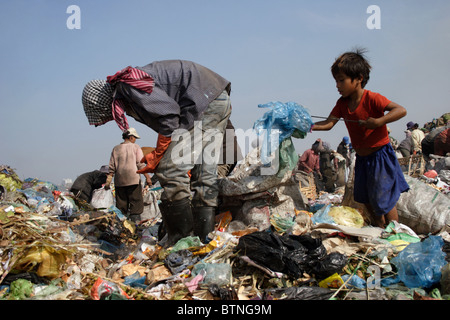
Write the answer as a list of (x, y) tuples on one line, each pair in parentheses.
[(204, 221), (177, 220)]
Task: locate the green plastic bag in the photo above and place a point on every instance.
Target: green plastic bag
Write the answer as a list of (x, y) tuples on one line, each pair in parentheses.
[(20, 289)]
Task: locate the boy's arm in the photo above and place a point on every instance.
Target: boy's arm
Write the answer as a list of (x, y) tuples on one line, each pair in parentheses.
[(395, 112), (325, 125)]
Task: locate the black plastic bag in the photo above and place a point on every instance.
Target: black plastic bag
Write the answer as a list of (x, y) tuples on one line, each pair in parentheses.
[(264, 248), (289, 254), (331, 264)]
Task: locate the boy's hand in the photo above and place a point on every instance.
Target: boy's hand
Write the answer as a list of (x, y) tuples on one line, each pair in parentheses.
[(370, 123)]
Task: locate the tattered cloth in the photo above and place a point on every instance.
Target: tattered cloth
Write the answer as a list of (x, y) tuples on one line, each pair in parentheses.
[(97, 100), (98, 96)]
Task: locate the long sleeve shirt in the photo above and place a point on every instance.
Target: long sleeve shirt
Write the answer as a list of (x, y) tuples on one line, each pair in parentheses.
[(124, 162), (309, 162), (182, 92), (417, 136)]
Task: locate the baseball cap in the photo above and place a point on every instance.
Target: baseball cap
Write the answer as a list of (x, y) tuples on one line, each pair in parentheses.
[(410, 124), (132, 132)]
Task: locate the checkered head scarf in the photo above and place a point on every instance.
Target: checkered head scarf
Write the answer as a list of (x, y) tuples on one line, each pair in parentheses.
[(97, 101)]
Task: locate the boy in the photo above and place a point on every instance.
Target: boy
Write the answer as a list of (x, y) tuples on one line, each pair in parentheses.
[(379, 180)]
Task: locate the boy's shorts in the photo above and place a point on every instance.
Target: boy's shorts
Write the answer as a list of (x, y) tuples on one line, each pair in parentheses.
[(379, 180)]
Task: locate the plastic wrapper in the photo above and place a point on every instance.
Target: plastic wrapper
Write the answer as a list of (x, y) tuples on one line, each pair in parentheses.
[(106, 290), (419, 264), (334, 281)]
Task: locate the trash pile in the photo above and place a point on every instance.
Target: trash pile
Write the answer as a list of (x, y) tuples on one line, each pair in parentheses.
[(271, 242), (54, 247)]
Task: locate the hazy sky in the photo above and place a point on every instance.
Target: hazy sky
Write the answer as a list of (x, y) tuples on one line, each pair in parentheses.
[(269, 50)]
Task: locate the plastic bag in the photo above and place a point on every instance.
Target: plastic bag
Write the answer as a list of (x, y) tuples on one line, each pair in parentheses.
[(423, 208), (346, 216), (135, 280), (419, 264), (46, 259), (340, 215), (322, 216), (20, 289), (215, 273), (288, 118), (179, 260), (281, 122), (102, 198), (290, 254)]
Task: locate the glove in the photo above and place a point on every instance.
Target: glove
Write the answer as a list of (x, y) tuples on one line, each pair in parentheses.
[(108, 182), (153, 158)]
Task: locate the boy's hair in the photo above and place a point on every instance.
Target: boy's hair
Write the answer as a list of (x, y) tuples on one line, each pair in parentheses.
[(354, 65)]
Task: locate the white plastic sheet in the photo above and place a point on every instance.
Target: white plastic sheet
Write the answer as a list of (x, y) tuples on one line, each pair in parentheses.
[(102, 198)]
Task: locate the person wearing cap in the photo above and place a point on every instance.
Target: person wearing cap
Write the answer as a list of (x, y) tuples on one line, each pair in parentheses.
[(410, 126), (344, 149), (85, 184), (172, 97), (123, 164)]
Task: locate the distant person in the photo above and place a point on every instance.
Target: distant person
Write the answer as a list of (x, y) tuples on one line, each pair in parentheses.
[(123, 164), (417, 136), (428, 141), (410, 126), (328, 167), (308, 165), (405, 146), (85, 184), (345, 151), (379, 180), (442, 143)]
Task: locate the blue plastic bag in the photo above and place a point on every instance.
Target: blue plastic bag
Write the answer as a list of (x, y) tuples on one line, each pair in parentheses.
[(322, 216), (283, 121), (354, 282), (419, 264), (135, 280), (286, 117)]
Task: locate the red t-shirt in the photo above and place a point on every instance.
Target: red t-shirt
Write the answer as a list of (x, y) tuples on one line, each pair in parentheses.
[(371, 105)]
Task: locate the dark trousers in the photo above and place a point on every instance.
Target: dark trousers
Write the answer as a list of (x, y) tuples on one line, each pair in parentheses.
[(129, 199)]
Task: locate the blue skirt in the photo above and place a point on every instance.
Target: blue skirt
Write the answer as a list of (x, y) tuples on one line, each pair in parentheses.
[(379, 180)]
